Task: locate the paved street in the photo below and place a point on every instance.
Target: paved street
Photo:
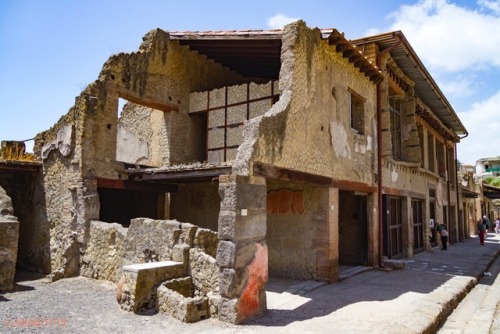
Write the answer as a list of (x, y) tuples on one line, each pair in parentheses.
[(415, 300)]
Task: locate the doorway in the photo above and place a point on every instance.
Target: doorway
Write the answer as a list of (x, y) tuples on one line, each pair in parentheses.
[(353, 228)]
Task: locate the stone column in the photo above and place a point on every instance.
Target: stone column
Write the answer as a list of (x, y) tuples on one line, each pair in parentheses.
[(242, 255), (326, 240)]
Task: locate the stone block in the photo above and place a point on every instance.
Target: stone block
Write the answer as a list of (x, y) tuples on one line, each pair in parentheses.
[(180, 253), (232, 282), (9, 236), (103, 258), (226, 254), (395, 264), (187, 309), (207, 240), (139, 292), (228, 310), (183, 285), (188, 231), (204, 271), (151, 240)]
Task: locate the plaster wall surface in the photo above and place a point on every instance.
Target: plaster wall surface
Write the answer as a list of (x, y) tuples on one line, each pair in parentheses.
[(82, 144), (197, 203), (290, 233), (309, 128)]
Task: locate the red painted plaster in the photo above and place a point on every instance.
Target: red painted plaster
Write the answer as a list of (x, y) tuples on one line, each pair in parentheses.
[(249, 303)]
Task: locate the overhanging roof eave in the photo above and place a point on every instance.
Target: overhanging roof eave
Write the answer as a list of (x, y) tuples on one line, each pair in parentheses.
[(425, 86)]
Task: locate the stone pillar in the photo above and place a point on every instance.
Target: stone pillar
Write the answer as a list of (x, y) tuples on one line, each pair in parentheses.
[(9, 237), (326, 239), (407, 226), (242, 255), (373, 230)]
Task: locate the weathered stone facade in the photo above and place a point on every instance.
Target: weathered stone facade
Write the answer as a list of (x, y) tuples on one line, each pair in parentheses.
[(296, 161)]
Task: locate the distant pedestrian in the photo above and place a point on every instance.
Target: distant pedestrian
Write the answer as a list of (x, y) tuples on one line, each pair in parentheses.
[(481, 230), (486, 222), (444, 236), (497, 225)]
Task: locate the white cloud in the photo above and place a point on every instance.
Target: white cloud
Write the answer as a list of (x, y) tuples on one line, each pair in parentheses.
[(458, 86), (449, 37), (482, 122), (278, 21), (493, 5)]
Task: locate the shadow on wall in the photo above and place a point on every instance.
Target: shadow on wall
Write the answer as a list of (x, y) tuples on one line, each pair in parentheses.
[(28, 201)]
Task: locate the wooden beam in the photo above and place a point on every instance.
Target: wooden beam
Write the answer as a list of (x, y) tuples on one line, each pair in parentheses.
[(347, 185), (135, 185), (182, 175), (284, 174), (20, 166)]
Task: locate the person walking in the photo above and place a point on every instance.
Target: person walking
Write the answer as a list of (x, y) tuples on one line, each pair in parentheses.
[(444, 236), (481, 230), (497, 225)]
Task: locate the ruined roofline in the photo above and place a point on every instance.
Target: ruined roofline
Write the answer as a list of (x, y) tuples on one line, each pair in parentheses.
[(425, 86), (265, 47)]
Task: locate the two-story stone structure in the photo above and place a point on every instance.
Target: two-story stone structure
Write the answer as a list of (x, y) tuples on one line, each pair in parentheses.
[(302, 150)]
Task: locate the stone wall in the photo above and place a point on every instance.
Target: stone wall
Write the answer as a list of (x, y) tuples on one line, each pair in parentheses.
[(290, 232), (105, 251), (28, 201), (9, 236), (197, 203), (82, 145), (309, 128)]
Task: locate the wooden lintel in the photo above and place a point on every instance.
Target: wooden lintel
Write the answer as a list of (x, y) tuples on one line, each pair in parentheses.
[(400, 192), (20, 166), (135, 185), (353, 186), (181, 175), (133, 97), (277, 173)]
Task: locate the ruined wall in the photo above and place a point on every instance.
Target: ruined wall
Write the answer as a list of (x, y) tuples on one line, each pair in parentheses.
[(82, 144), (168, 73), (28, 200), (309, 128), (197, 203), (105, 251), (9, 236)]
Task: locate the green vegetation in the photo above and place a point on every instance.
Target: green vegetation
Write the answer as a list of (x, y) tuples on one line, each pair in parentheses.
[(493, 181)]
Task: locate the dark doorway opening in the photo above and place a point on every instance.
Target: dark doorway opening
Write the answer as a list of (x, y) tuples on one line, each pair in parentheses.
[(393, 227), (353, 229), (418, 226), (120, 206)]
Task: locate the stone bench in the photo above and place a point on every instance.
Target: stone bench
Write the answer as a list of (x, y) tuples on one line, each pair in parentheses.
[(140, 281)]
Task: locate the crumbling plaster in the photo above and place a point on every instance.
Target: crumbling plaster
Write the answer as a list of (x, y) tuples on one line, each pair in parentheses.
[(313, 106), (161, 73)]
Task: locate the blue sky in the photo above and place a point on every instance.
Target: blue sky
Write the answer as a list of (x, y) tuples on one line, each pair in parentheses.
[(51, 50)]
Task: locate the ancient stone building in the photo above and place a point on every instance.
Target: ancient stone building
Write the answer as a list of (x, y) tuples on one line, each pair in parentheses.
[(252, 153), (418, 134)]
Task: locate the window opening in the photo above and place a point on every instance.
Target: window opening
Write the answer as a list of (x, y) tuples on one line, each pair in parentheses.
[(357, 112)]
